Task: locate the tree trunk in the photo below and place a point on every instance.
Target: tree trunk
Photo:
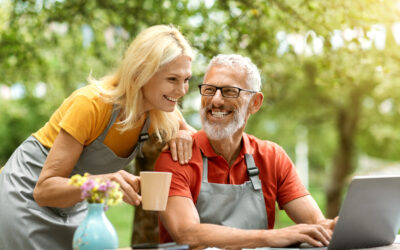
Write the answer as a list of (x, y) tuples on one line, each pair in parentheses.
[(343, 161), (145, 223)]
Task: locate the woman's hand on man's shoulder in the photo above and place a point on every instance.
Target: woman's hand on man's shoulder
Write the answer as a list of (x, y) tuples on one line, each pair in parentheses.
[(181, 146)]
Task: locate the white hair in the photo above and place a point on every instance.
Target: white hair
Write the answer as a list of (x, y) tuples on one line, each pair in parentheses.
[(253, 79)]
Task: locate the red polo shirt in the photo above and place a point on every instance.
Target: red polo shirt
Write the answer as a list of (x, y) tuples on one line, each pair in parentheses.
[(279, 179)]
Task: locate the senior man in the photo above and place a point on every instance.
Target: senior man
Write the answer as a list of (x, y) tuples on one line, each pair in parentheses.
[(225, 196)]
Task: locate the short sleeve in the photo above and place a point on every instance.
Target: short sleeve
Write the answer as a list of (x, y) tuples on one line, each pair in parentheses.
[(180, 183), (290, 186), (79, 119)]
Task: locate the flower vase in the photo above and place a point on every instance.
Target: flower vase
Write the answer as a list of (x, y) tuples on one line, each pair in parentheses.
[(96, 231)]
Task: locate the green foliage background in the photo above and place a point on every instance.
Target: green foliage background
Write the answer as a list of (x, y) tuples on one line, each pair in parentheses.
[(336, 96)]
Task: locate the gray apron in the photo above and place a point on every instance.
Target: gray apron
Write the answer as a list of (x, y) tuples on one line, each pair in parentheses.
[(26, 225), (239, 206)]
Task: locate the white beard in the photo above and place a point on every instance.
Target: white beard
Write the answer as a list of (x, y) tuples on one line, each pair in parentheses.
[(219, 131)]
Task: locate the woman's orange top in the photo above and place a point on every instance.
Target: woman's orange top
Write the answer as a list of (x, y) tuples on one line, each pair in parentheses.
[(85, 115)]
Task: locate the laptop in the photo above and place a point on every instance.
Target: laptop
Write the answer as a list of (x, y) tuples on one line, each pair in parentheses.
[(369, 216)]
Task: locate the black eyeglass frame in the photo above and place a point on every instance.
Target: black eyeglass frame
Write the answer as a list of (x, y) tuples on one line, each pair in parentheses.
[(225, 87)]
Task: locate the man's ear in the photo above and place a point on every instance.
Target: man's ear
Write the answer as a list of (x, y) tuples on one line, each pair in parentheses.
[(256, 102)]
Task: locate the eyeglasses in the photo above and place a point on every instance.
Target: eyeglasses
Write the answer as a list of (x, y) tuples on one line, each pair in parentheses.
[(228, 92)]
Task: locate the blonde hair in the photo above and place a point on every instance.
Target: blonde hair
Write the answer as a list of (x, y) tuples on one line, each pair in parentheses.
[(151, 49)]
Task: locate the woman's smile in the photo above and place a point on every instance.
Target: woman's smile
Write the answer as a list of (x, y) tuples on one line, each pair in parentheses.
[(171, 98)]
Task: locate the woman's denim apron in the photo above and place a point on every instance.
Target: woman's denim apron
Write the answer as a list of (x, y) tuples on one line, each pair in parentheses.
[(26, 225)]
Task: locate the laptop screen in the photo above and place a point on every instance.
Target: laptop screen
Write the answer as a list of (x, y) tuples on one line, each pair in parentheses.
[(370, 213)]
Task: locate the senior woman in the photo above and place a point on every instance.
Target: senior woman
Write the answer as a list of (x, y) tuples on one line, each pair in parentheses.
[(98, 129)]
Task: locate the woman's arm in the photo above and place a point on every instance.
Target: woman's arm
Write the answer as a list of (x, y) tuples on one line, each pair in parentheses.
[(52, 188)]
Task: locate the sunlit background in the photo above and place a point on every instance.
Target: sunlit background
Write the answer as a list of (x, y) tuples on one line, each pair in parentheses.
[(330, 72)]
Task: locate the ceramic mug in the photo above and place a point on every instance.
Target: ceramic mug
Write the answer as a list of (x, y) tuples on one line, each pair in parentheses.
[(154, 188)]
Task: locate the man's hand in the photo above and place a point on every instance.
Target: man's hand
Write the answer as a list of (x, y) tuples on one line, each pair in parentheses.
[(329, 224), (315, 235), (181, 146)]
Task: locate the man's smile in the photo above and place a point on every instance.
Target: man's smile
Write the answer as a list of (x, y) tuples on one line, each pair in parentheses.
[(219, 114)]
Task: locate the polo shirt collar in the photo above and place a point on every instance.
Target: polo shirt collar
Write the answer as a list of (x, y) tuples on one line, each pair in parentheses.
[(247, 148), (208, 151)]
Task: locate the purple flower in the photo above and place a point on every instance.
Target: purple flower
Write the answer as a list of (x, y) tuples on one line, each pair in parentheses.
[(97, 190), (85, 194), (88, 185), (103, 187), (87, 188)]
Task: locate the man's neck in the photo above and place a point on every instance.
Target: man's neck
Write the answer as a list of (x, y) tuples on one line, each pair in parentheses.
[(229, 147)]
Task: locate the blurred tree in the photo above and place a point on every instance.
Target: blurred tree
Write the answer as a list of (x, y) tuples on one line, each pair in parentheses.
[(340, 89), (345, 96)]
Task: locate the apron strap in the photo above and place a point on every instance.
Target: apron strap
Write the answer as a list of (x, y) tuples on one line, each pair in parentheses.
[(205, 168), (252, 171), (144, 135), (114, 116)]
